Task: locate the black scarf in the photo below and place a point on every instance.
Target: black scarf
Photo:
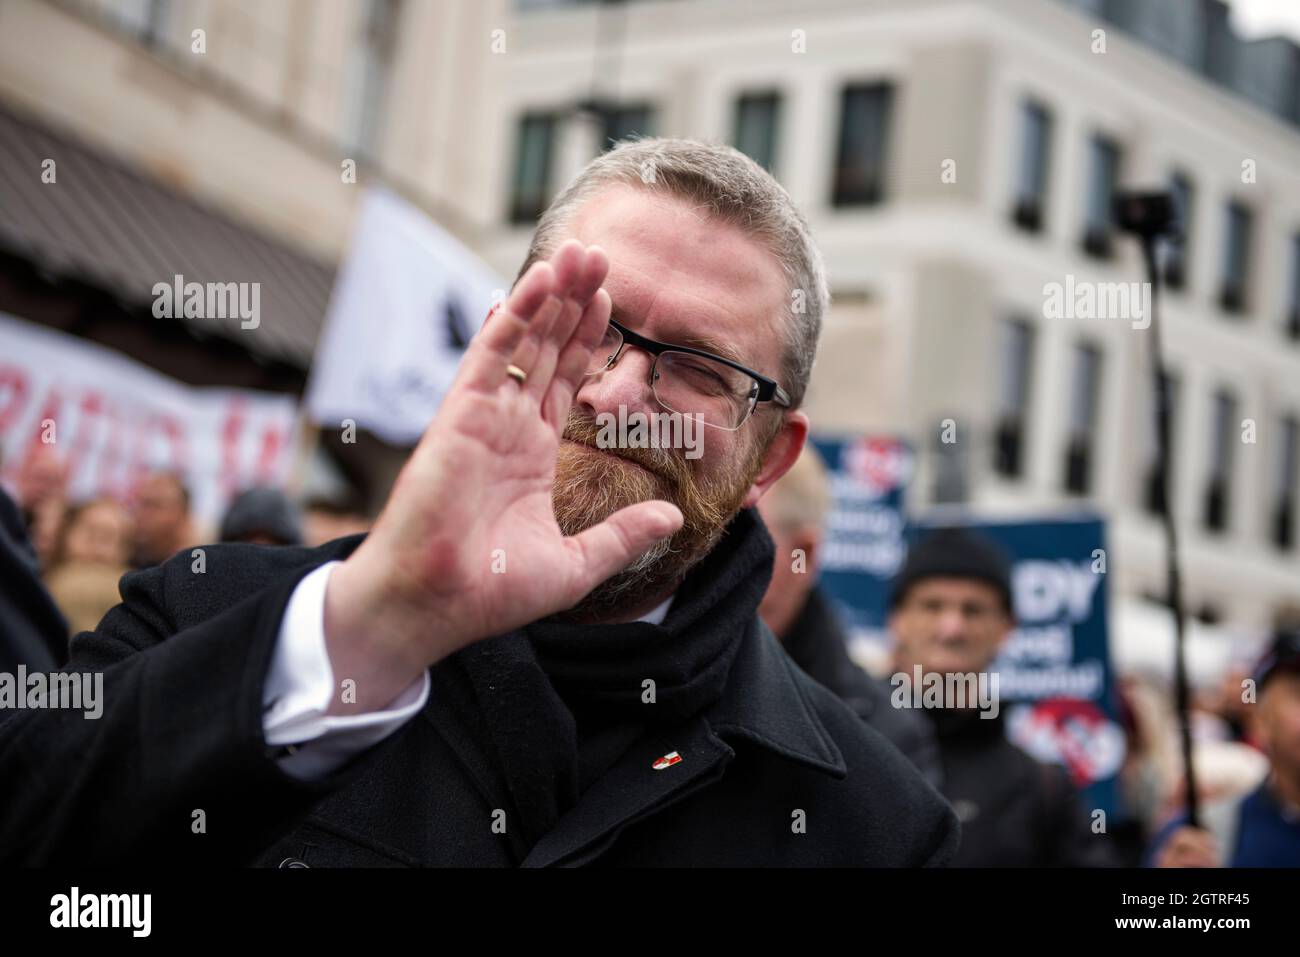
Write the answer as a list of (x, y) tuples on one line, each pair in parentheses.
[(558, 703)]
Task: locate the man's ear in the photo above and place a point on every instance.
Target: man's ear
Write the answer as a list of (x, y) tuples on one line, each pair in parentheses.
[(782, 452)]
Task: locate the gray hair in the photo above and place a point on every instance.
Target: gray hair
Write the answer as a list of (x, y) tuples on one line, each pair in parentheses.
[(736, 190)]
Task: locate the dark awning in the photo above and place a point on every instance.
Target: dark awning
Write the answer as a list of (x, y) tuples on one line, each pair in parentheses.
[(110, 226)]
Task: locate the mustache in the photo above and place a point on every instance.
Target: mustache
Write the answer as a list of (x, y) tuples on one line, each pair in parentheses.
[(666, 464)]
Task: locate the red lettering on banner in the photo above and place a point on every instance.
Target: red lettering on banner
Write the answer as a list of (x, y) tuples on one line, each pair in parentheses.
[(50, 411), (13, 383), (180, 450), (273, 442), (114, 441), (92, 404), (230, 430), (143, 457)]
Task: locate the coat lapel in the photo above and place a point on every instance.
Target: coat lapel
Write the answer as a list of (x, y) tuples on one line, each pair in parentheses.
[(456, 716), (764, 704), (767, 702), (634, 789)]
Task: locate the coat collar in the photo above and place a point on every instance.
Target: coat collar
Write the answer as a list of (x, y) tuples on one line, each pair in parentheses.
[(765, 703), (766, 700)]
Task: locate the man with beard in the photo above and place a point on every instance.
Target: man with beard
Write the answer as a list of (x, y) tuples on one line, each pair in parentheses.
[(545, 652)]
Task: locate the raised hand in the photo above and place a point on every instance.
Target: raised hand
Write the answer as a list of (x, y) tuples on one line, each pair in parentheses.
[(467, 546)]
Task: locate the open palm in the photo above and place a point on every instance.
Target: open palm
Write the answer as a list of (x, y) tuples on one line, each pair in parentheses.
[(468, 545)]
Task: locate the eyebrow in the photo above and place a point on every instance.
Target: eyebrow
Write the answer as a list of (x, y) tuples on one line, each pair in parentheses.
[(693, 340)]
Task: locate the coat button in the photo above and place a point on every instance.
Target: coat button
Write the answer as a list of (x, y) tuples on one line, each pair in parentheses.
[(294, 862)]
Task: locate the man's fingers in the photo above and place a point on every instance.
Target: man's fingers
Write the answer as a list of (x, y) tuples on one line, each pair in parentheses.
[(611, 546), (568, 263), (537, 313), (1190, 847), (493, 349), (536, 339), (589, 271), (592, 276), (572, 364)]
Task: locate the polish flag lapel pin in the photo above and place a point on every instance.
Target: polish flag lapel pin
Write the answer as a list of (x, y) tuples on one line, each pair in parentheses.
[(667, 761)]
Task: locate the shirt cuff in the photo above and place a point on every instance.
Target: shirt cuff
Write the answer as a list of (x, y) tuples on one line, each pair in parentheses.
[(300, 685)]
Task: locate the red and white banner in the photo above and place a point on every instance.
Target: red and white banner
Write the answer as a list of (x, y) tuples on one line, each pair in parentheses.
[(113, 419)]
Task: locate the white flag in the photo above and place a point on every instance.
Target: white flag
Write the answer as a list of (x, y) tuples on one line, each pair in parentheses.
[(405, 304)]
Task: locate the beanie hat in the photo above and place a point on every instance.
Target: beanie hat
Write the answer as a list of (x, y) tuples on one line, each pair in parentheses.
[(1283, 655), (955, 553), (262, 511)]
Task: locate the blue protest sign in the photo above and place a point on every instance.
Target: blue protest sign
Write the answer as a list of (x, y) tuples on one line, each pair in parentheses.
[(1056, 682)]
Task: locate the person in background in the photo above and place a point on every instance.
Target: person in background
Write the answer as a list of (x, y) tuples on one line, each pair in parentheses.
[(262, 516), (1261, 829), (951, 610), (800, 614), (32, 631), (1224, 700), (42, 498), (161, 508), (92, 556), (325, 518)]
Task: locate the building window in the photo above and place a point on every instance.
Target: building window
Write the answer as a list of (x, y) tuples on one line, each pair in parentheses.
[(531, 190), (1293, 309), (1083, 419), (863, 145), (1288, 477), (1031, 181), (1236, 259), (1218, 489), (950, 485), (758, 120), (1013, 398), (374, 59), (1153, 498), (626, 121), (1176, 251), (146, 20), (1103, 177)]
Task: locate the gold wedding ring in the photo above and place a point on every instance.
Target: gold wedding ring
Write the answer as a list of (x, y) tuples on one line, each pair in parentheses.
[(516, 373)]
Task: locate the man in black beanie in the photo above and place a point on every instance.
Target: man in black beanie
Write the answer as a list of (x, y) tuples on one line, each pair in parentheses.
[(951, 610)]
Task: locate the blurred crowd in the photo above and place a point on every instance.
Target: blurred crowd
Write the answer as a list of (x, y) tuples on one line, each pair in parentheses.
[(950, 612), (84, 547)]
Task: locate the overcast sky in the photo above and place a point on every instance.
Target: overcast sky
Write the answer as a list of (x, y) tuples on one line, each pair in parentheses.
[(1256, 18)]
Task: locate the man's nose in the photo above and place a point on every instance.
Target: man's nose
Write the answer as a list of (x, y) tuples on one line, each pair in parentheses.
[(951, 624), (627, 384)]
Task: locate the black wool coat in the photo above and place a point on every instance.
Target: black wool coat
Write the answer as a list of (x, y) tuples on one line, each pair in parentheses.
[(33, 632), (817, 644), (775, 772)]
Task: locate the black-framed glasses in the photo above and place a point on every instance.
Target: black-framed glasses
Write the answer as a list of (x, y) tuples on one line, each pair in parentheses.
[(722, 393)]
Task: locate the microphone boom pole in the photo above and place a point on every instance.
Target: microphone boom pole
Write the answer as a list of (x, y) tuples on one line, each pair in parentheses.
[(1149, 216)]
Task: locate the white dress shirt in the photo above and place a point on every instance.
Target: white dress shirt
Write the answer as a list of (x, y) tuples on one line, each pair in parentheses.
[(300, 685)]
